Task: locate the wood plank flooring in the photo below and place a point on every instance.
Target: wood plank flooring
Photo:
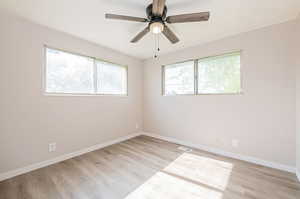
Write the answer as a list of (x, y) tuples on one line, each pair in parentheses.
[(149, 168)]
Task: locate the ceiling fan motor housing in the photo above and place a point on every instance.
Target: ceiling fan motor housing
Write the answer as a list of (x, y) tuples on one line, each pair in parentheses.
[(154, 18)]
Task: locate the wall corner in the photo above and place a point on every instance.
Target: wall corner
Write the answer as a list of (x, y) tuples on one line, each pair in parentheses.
[(298, 174)]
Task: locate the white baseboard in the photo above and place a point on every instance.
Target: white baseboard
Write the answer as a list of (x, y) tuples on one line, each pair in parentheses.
[(16, 172), (39, 165), (226, 154)]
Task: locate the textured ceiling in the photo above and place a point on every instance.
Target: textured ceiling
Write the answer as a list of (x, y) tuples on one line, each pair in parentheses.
[(85, 19)]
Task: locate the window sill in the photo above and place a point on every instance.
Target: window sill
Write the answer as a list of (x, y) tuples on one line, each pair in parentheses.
[(82, 95), (203, 94)]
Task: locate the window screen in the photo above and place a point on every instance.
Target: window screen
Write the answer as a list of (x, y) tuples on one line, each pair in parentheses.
[(219, 74), (68, 73), (179, 78), (112, 79), (213, 75)]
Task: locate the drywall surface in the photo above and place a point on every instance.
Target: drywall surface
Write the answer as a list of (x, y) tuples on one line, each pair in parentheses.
[(29, 120), (262, 118), (297, 61)]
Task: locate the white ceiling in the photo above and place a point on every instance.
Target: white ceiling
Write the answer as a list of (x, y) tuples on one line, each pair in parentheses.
[(85, 19)]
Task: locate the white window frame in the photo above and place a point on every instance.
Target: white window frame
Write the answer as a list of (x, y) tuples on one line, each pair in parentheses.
[(196, 76), (44, 75)]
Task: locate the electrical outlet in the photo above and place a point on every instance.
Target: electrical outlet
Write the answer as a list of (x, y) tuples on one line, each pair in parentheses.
[(235, 143), (52, 147)]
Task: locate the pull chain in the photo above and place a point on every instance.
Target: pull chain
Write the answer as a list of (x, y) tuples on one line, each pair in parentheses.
[(155, 45), (157, 49)]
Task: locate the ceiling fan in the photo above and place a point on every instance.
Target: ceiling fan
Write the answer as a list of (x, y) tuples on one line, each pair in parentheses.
[(157, 19)]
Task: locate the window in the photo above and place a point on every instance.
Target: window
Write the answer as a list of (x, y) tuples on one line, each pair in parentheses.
[(212, 75), (220, 74), (179, 78), (68, 73), (112, 78)]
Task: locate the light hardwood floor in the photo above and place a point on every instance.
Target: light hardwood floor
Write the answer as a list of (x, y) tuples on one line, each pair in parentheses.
[(149, 168)]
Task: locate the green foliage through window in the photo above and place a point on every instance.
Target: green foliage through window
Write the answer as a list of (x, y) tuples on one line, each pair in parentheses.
[(212, 75), (68, 73), (219, 74)]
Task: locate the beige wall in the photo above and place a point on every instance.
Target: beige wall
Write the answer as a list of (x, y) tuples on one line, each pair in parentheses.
[(297, 55), (262, 119), (29, 121)]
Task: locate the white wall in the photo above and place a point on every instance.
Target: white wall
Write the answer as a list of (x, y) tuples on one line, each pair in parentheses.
[(29, 120), (262, 119)]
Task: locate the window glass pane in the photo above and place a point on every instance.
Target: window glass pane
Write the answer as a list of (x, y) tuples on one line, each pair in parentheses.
[(179, 78), (219, 74), (68, 73), (112, 79)]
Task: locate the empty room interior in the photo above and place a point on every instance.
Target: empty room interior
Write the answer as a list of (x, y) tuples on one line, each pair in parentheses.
[(153, 99)]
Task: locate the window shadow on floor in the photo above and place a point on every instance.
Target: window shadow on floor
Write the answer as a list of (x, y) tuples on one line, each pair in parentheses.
[(199, 174)]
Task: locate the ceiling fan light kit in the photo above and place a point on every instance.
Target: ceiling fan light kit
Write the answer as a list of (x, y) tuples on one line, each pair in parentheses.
[(156, 27), (157, 20)]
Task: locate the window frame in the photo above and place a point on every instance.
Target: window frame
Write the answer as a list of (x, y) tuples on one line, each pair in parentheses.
[(196, 75), (95, 79)]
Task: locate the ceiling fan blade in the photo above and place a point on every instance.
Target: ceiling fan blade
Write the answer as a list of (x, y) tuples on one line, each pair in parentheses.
[(126, 18), (158, 7), (194, 17), (170, 35), (140, 35)]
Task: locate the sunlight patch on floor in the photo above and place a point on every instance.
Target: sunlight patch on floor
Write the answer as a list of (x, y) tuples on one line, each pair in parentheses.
[(208, 171), (165, 186), (189, 176)]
